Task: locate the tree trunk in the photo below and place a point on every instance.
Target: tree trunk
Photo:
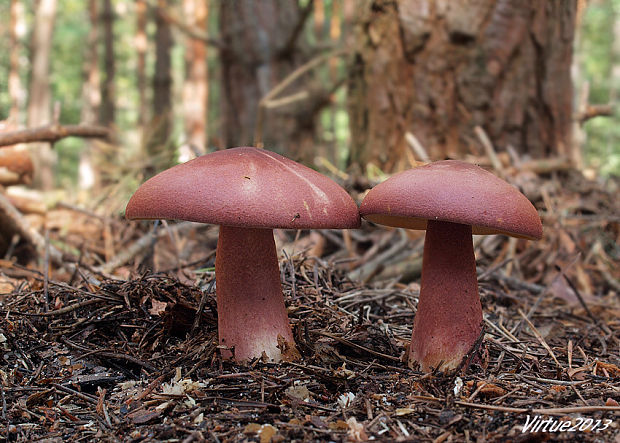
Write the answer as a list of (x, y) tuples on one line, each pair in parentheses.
[(16, 92), (91, 99), (108, 90), (439, 68), (160, 154), (141, 42), (195, 88), (263, 43), (39, 106)]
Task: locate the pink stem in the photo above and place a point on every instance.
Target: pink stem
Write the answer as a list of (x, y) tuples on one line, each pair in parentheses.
[(250, 303), (449, 317)]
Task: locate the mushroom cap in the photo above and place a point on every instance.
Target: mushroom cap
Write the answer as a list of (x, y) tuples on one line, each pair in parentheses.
[(456, 192), (245, 187)]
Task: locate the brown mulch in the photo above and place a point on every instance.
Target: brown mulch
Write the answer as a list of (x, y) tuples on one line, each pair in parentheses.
[(136, 359)]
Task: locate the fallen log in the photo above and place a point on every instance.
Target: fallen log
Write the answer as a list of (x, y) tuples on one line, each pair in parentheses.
[(52, 133)]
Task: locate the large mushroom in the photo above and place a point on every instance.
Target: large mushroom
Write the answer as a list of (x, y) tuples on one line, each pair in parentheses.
[(248, 192), (450, 200)]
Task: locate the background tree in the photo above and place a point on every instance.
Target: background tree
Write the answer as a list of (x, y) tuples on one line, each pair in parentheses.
[(39, 103), (91, 98), (438, 69), (434, 68), (16, 31), (161, 156), (262, 43), (141, 45), (598, 81), (195, 86), (108, 87)]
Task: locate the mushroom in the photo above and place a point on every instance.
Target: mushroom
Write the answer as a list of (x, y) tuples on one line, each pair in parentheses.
[(451, 200), (248, 192)]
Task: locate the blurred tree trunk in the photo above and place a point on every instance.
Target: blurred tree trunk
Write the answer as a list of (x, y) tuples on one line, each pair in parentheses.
[(39, 105), (195, 87), (91, 98), (319, 19), (335, 32), (160, 154), (108, 94), (438, 68), (263, 43), (16, 92), (141, 42)]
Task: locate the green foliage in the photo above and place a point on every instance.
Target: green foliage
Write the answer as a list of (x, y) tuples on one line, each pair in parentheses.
[(66, 75), (599, 56), (4, 61)]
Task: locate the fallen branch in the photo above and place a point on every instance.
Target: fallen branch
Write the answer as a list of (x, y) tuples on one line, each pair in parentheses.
[(19, 224), (546, 165), (52, 133)]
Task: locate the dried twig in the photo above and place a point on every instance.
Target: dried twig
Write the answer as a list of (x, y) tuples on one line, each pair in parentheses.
[(370, 267), (280, 87), (540, 338), (358, 347), (140, 245), (291, 41), (417, 147), (490, 151), (191, 31), (592, 111)]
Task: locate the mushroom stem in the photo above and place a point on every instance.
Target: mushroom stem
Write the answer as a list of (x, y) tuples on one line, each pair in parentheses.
[(250, 303), (449, 317)]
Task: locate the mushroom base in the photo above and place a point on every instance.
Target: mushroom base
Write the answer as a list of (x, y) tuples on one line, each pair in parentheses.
[(449, 317), (252, 317)]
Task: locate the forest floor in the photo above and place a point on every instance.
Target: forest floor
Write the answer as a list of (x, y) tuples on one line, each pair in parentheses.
[(110, 351)]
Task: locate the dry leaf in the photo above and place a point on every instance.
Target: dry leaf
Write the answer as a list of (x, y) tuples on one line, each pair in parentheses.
[(288, 350), (7, 285), (558, 388), (611, 402), (252, 428), (339, 425), (266, 433), (144, 416), (346, 400), (158, 307), (488, 390), (299, 392), (611, 369), (181, 387), (356, 430)]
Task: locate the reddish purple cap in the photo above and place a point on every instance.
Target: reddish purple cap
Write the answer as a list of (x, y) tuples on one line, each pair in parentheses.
[(245, 187), (456, 192)]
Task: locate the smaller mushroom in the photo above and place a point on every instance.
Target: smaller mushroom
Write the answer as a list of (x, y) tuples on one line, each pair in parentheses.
[(450, 200), (248, 192)]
